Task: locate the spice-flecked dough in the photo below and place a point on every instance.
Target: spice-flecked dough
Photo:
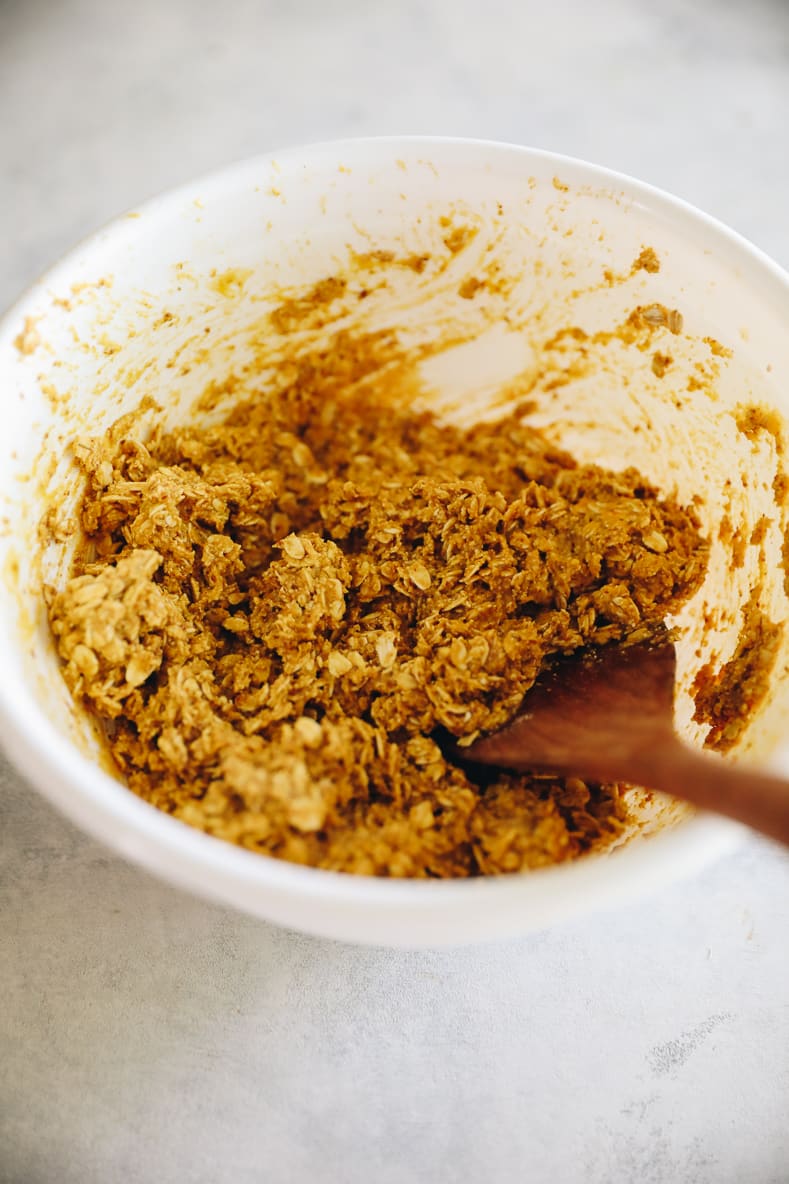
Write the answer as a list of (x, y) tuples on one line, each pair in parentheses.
[(276, 619)]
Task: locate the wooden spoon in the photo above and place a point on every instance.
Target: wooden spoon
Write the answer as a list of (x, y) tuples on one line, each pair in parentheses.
[(609, 716)]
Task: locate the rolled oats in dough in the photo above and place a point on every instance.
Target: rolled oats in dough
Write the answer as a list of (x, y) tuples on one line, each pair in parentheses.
[(278, 618)]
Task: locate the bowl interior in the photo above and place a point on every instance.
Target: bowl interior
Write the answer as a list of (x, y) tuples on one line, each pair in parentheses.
[(639, 332)]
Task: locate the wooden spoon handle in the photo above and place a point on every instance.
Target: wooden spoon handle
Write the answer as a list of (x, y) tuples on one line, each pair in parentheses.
[(757, 799)]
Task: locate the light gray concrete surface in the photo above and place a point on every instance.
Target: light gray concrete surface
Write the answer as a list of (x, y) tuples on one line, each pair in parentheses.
[(146, 1037)]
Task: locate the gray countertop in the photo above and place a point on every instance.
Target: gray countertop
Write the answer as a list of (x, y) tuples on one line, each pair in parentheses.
[(148, 1037)]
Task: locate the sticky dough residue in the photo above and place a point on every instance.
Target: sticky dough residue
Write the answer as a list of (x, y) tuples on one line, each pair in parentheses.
[(443, 318)]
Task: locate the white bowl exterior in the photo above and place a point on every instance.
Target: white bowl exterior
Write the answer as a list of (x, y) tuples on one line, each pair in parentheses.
[(254, 216)]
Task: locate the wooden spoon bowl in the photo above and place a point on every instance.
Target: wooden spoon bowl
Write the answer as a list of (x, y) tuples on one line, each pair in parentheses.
[(608, 715)]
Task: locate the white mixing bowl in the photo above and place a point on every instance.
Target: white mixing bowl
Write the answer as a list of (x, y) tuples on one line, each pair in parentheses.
[(129, 314)]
